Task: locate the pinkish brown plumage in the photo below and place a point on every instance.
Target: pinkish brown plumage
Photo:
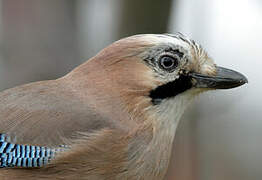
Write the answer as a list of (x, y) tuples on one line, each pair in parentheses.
[(117, 113)]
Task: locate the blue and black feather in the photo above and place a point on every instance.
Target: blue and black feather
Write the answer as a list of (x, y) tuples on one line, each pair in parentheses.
[(16, 155)]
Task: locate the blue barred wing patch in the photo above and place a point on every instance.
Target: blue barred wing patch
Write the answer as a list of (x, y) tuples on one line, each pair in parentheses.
[(15, 155)]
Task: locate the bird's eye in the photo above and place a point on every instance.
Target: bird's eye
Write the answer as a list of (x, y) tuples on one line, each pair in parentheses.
[(168, 63)]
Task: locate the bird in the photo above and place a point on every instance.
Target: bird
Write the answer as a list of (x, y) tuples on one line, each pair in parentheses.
[(112, 117)]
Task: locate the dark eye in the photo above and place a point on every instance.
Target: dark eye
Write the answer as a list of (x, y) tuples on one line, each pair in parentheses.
[(168, 63)]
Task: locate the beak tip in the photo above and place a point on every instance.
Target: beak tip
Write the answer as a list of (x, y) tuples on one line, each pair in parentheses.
[(243, 80), (246, 80)]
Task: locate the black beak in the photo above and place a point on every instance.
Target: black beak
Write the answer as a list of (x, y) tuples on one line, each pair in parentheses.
[(224, 79)]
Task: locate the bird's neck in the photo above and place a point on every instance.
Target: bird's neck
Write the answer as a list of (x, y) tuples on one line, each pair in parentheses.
[(152, 155)]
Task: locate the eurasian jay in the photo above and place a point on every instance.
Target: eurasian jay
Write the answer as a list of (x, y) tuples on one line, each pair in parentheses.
[(113, 117)]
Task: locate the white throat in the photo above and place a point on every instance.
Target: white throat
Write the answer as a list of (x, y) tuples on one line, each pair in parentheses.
[(167, 117), (154, 158)]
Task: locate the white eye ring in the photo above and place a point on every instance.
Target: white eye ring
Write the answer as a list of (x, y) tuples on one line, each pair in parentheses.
[(168, 63)]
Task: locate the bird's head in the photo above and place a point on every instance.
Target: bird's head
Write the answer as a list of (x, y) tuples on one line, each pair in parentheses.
[(150, 70), (146, 82)]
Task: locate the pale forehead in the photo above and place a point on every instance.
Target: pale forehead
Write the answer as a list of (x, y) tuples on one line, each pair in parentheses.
[(179, 42), (171, 40), (190, 50)]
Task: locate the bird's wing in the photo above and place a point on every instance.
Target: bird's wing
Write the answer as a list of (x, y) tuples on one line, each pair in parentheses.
[(45, 113), (102, 155), (17, 155)]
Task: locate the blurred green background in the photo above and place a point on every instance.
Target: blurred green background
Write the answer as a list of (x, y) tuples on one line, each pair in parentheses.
[(219, 137)]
